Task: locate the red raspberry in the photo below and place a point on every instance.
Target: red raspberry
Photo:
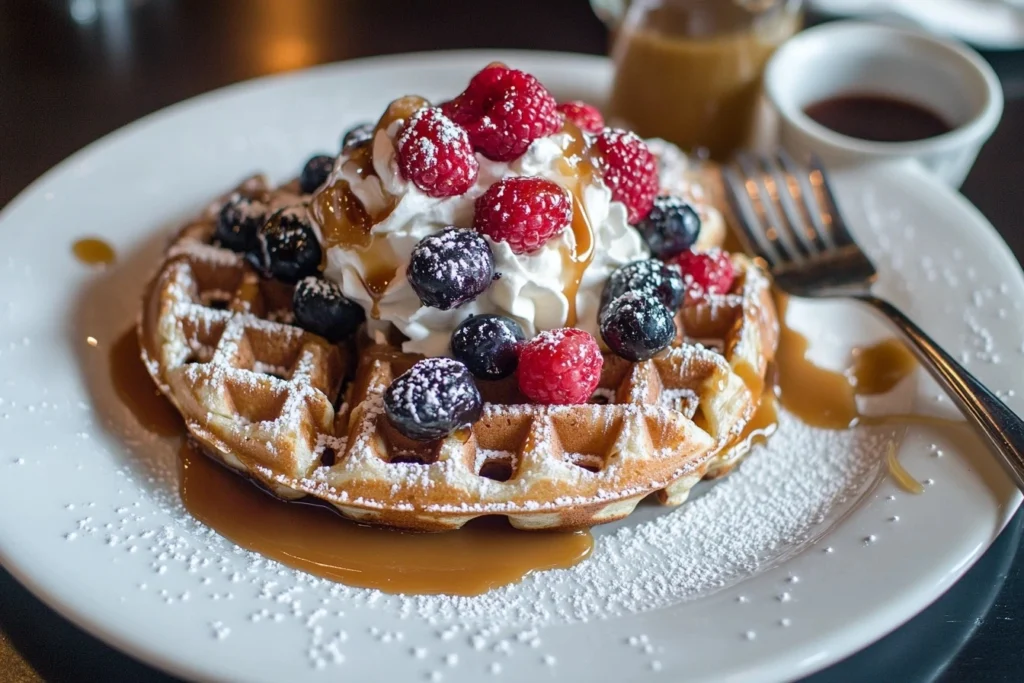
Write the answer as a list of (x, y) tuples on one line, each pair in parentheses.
[(560, 367), (523, 211), (504, 110), (584, 115), (629, 170), (435, 154), (705, 272)]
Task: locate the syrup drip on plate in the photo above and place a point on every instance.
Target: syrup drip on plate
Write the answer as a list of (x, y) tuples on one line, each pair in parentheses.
[(576, 164), (905, 480), (487, 554), (93, 252)]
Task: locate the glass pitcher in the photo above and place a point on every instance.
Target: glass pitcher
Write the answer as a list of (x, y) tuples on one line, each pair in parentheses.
[(690, 71)]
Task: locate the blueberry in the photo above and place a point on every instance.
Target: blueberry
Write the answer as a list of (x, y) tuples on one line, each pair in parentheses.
[(238, 222), (356, 136), (671, 227), (488, 345), (286, 246), (432, 399), (649, 278), (636, 326), (321, 308), (315, 172), (450, 268)]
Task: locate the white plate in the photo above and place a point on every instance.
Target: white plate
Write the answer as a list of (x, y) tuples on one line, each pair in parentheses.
[(988, 24), (804, 555)]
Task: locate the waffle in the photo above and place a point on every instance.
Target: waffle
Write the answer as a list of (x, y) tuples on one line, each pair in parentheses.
[(265, 398)]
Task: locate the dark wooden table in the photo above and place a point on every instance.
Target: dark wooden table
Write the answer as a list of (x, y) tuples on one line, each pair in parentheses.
[(73, 70)]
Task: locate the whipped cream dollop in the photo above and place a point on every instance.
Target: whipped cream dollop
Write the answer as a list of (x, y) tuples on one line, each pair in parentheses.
[(531, 288)]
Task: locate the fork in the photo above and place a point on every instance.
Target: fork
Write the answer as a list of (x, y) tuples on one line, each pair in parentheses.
[(789, 217)]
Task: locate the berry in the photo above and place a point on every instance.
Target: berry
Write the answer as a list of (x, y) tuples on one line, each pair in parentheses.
[(636, 326), (432, 399), (315, 172), (357, 136), (671, 227), (504, 111), (435, 154), (523, 211), (286, 246), (650, 278), (560, 367), (629, 170), (488, 345), (321, 308), (705, 272), (584, 115), (450, 268), (238, 222)]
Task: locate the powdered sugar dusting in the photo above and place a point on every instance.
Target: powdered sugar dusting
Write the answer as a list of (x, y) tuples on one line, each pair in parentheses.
[(804, 478)]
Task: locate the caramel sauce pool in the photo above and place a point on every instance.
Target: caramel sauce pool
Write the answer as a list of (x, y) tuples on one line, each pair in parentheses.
[(483, 556), (136, 390), (826, 398), (93, 252), (487, 554)]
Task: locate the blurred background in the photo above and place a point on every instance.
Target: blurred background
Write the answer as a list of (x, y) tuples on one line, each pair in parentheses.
[(72, 71)]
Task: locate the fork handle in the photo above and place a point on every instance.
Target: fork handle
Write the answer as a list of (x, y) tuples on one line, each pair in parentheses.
[(993, 419)]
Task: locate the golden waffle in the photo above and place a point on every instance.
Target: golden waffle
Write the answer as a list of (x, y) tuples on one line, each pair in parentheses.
[(261, 396)]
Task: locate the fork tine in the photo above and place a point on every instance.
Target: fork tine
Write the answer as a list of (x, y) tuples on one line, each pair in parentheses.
[(777, 231), (810, 201), (794, 203), (830, 211), (751, 228)]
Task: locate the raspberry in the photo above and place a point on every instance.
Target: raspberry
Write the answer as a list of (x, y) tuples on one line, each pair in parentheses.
[(584, 115), (705, 272), (504, 110), (629, 170), (560, 367), (435, 154), (523, 211)]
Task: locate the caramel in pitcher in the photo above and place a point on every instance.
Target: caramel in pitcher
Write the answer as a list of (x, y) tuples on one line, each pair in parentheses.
[(689, 71)]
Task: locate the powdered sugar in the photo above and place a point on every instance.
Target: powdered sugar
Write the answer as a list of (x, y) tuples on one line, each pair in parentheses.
[(650, 561)]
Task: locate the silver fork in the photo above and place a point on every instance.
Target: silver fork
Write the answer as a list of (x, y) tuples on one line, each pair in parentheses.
[(790, 218)]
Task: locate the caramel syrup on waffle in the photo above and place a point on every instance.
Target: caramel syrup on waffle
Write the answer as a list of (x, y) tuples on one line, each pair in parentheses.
[(576, 163), (483, 556), (486, 554), (93, 252), (344, 222)]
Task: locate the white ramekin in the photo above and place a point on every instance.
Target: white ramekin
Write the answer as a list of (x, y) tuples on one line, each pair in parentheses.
[(856, 57)]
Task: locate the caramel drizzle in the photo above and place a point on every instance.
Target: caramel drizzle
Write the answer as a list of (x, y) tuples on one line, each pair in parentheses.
[(345, 222), (576, 163)]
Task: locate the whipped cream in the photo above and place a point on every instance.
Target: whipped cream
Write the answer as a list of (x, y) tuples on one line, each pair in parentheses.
[(532, 287)]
